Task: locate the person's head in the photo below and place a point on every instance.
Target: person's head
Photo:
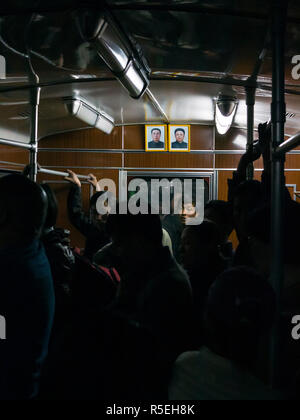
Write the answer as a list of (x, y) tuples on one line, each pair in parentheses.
[(179, 135), (239, 313), (137, 239), (52, 208), (247, 197), (96, 217), (220, 212), (189, 210), (23, 206), (156, 134), (189, 206), (199, 244)]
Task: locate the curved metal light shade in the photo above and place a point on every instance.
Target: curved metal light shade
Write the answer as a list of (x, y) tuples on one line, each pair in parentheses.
[(226, 107), (112, 46), (94, 118)]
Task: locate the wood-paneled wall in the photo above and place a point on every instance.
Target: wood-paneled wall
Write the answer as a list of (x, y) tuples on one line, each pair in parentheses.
[(91, 151)]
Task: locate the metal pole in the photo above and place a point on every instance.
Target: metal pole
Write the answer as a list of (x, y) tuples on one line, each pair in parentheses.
[(35, 93), (278, 110), (157, 105), (64, 174), (288, 145), (34, 100), (16, 144), (250, 101), (123, 191)]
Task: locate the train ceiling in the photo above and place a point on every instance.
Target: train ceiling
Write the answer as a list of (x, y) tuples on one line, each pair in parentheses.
[(194, 49)]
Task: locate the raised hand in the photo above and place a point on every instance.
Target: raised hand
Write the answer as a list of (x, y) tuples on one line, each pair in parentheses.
[(73, 178), (254, 152), (93, 181)]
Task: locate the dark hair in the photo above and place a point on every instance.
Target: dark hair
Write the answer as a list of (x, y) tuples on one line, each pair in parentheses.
[(52, 208), (122, 226), (179, 129), (94, 198), (221, 214), (251, 190), (23, 205), (241, 305), (156, 129), (223, 209)]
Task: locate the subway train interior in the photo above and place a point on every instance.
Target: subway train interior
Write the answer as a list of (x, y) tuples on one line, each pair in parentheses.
[(150, 202)]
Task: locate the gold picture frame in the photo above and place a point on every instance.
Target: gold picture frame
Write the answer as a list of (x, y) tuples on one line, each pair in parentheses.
[(179, 138)]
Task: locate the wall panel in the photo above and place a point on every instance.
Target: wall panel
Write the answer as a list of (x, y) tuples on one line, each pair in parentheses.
[(80, 159), (202, 138), (84, 139), (292, 162), (168, 160), (134, 137), (13, 154), (228, 161)]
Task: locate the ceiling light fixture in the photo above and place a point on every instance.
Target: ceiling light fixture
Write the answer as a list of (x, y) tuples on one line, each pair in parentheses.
[(91, 116), (226, 107), (123, 56)]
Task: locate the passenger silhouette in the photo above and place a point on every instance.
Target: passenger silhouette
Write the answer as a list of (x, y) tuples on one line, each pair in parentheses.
[(239, 314), (92, 227), (26, 287)]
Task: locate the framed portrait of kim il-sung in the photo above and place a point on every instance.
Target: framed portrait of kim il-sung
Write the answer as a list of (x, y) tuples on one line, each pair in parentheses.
[(179, 138), (156, 138)]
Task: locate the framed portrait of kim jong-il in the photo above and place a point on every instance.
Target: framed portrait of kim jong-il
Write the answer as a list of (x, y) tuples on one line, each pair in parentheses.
[(156, 138), (179, 138)]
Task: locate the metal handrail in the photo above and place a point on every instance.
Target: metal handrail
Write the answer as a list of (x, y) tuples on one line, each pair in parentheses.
[(288, 145), (64, 174), (16, 144)]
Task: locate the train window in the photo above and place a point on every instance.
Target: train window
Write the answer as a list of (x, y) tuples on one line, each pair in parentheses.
[(169, 189)]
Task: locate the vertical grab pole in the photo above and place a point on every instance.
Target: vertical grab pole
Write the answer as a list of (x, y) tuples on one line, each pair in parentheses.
[(35, 94), (34, 102), (278, 111), (250, 101)]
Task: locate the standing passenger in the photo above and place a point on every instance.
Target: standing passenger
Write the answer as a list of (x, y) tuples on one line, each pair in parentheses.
[(202, 260), (239, 315), (93, 228), (154, 290), (26, 288)]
